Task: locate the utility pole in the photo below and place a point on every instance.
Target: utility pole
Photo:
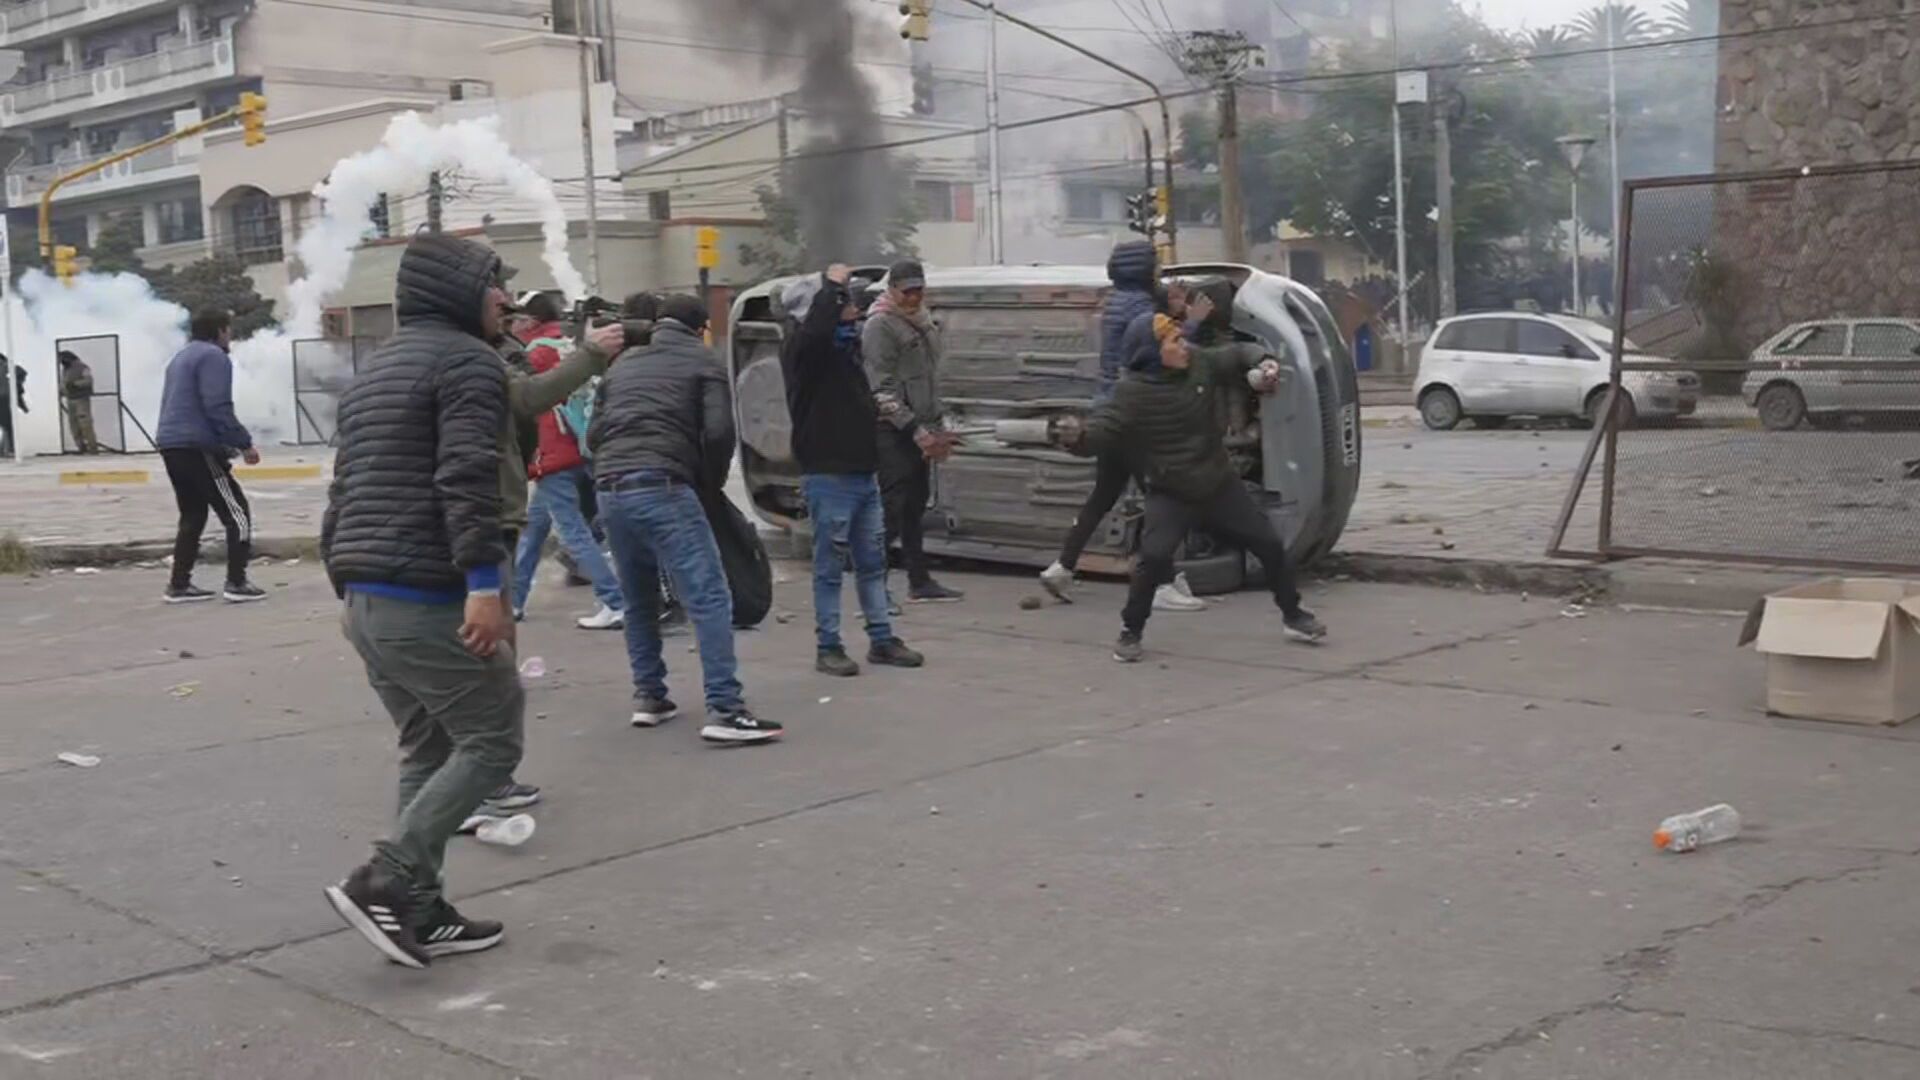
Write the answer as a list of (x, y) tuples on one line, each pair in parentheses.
[(586, 155), (996, 208), (436, 200), (1220, 57), (1443, 106), (1400, 94)]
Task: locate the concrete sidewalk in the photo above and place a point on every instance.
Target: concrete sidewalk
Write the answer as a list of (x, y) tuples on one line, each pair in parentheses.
[(1421, 851)]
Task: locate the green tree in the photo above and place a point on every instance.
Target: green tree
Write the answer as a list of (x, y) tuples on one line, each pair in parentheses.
[(117, 250), (220, 282), (1630, 24)]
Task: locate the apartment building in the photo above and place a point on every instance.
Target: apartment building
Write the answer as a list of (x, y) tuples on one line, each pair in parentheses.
[(100, 76)]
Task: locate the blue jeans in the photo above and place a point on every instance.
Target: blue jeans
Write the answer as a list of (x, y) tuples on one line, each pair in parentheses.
[(655, 525), (848, 518), (555, 506)]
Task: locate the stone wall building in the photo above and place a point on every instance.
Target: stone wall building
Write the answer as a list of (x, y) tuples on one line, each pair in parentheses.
[(1821, 247)]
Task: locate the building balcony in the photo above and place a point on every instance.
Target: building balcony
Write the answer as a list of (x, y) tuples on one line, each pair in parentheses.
[(176, 161), (128, 80), (42, 20)]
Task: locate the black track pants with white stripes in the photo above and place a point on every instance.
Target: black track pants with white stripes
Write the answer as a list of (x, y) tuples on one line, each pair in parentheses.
[(203, 480)]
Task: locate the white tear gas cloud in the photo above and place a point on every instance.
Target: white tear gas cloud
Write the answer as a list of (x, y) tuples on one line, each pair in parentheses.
[(151, 330)]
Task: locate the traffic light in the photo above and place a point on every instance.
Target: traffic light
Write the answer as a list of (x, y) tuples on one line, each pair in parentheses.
[(918, 13), (1140, 213), (253, 117), (706, 247), (923, 89), (63, 268)]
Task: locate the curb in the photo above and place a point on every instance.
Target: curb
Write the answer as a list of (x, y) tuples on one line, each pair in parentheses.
[(126, 553), (1492, 575)]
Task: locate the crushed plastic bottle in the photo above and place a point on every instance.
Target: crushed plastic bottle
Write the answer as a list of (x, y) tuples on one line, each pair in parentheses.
[(506, 832), (533, 667), (1684, 832)]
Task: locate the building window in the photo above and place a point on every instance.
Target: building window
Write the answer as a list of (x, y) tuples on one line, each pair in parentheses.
[(379, 219), (563, 20), (256, 227), (660, 205), (1309, 268), (180, 221), (1086, 202), (935, 198)]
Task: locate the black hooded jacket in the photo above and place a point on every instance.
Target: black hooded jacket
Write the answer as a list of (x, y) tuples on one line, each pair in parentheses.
[(828, 395), (415, 500), (1134, 269)]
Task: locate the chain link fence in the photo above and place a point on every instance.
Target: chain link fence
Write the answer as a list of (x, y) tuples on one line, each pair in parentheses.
[(1795, 299)]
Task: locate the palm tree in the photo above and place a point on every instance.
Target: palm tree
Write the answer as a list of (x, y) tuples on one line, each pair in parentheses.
[(1545, 41), (1690, 19), (1629, 24)]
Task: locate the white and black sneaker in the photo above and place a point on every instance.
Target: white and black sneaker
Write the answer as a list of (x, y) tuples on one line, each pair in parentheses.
[(741, 728), (1058, 581), (1302, 625), (511, 796), (186, 594), (378, 906), (242, 592), (653, 711), (449, 933)]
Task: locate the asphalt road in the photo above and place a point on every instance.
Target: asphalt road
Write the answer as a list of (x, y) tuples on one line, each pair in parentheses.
[(1420, 851)]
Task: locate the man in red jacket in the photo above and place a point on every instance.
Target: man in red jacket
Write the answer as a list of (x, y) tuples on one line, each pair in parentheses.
[(556, 470)]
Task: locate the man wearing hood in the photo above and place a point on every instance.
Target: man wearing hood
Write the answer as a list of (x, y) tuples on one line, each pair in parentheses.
[(412, 541), (902, 360), (834, 414), (1161, 422), (1134, 270), (663, 428)]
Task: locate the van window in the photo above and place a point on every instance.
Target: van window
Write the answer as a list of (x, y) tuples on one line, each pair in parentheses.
[(1478, 335), (1822, 339), (1886, 341), (1545, 339)]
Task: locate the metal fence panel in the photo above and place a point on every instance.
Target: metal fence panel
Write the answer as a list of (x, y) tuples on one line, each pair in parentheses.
[(322, 367), (101, 354)]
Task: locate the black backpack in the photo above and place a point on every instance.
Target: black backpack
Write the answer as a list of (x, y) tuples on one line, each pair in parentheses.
[(742, 556)]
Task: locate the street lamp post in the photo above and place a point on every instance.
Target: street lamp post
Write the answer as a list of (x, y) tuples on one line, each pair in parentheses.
[(1575, 148)]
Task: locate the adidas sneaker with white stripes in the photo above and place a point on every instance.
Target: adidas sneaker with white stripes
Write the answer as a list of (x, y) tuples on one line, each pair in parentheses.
[(449, 933), (378, 907)]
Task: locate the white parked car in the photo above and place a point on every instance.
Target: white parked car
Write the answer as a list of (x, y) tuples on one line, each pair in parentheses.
[(1784, 394), (1491, 366)]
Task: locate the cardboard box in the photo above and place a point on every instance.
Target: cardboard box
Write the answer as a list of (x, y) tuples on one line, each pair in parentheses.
[(1842, 649)]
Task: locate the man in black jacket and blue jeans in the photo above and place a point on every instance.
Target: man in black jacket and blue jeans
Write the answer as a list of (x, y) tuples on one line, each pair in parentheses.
[(412, 540), (198, 436), (833, 411), (662, 428)]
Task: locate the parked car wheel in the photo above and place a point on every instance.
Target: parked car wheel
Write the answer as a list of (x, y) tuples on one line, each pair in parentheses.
[(1490, 423), (1623, 410), (1440, 409), (1782, 407), (1215, 575)]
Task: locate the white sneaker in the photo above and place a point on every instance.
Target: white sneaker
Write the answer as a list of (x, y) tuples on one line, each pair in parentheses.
[(1058, 580), (1169, 598), (604, 619), (1182, 587)]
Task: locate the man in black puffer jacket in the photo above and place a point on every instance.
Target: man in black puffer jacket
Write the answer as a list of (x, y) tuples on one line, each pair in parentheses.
[(412, 541), (662, 428), (1162, 424)]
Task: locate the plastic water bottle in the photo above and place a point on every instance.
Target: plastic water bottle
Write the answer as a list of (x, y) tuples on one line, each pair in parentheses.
[(533, 667), (506, 832), (1684, 832)]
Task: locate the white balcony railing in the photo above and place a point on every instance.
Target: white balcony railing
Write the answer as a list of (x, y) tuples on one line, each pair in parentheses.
[(34, 20), (25, 183), (169, 69)]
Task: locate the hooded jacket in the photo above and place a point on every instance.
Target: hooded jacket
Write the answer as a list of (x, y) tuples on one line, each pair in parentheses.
[(902, 357), (1134, 269), (415, 503), (665, 407), (196, 402), (828, 395)]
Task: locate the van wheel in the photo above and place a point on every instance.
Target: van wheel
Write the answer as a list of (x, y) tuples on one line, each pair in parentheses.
[(1782, 407), (1623, 411), (1440, 409), (1215, 575)]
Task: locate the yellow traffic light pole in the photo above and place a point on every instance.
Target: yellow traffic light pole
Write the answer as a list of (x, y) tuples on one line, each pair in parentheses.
[(251, 112)]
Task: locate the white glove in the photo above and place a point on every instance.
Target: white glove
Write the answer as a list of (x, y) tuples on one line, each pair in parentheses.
[(1264, 378)]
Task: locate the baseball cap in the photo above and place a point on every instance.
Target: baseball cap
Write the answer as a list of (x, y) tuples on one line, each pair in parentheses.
[(907, 274)]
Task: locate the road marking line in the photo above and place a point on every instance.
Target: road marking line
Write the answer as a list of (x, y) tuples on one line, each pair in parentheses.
[(277, 472), (80, 477)]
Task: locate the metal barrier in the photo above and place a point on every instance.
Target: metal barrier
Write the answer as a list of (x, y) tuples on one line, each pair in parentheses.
[(322, 367), (107, 410), (1803, 443)]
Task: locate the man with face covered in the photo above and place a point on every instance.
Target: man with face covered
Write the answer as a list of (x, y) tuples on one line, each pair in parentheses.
[(412, 540)]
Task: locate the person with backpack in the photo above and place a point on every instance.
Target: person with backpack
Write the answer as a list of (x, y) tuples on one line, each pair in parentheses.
[(558, 465)]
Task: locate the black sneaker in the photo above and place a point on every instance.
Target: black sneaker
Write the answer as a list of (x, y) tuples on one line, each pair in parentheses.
[(741, 728), (653, 711), (932, 592), (242, 592), (835, 661), (1128, 649), (511, 796), (378, 907), (894, 653), (186, 594), (448, 933), (1302, 625)]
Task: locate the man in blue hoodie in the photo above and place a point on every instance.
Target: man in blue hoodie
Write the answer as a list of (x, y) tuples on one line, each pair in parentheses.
[(198, 437)]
